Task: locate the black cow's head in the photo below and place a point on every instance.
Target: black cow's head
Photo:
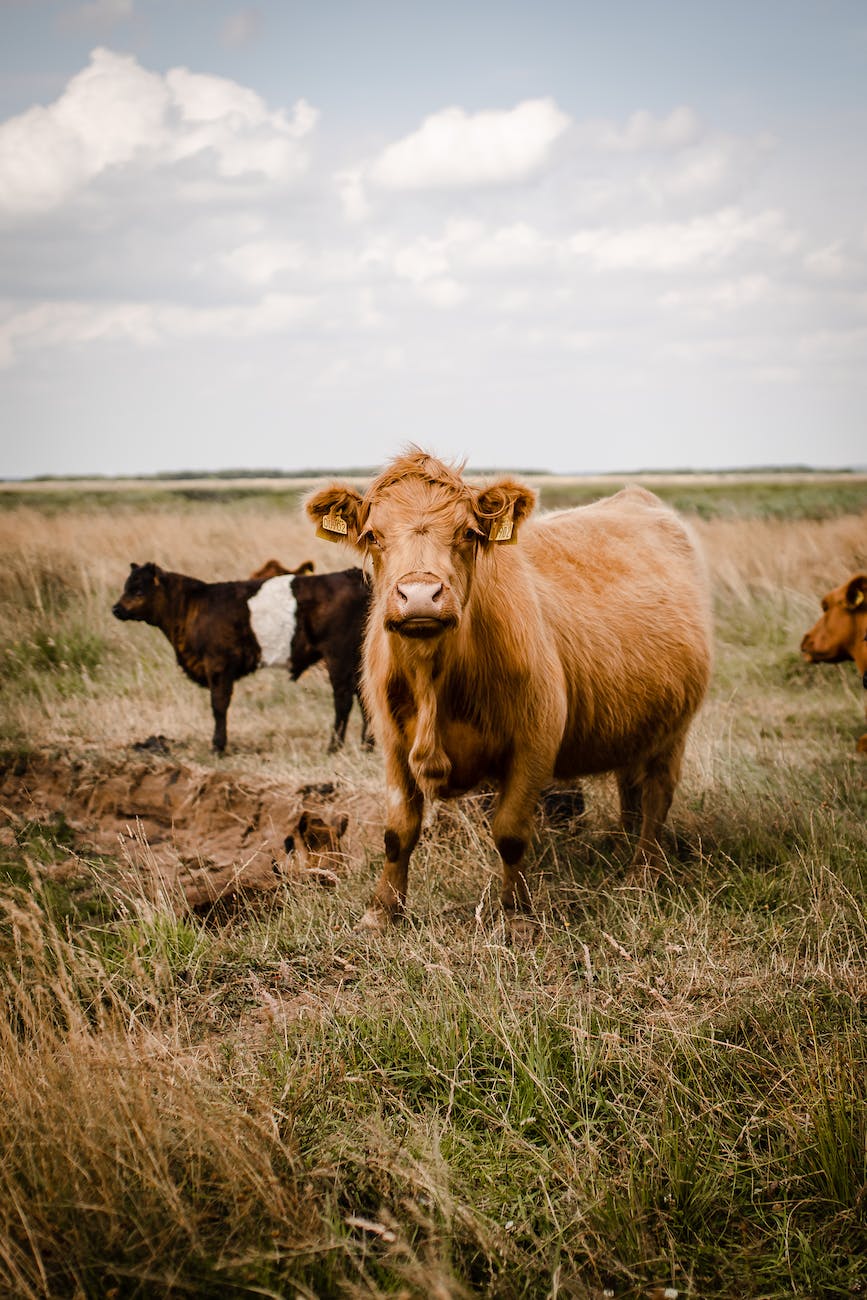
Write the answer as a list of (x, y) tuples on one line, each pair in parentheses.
[(141, 594)]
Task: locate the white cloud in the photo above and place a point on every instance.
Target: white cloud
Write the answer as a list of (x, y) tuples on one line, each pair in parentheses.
[(258, 262), (720, 295), (642, 132), (55, 324), (832, 263), (469, 247), (455, 149), (350, 190), (442, 292), (703, 242), (115, 113)]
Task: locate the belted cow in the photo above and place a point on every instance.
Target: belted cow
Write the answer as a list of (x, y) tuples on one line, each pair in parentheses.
[(585, 647), (841, 631), (219, 631)]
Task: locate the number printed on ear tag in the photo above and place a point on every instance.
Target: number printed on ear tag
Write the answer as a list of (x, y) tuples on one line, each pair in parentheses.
[(333, 523), (503, 531)]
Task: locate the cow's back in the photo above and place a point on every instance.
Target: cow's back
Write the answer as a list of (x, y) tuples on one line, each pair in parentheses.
[(619, 591), (215, 634)]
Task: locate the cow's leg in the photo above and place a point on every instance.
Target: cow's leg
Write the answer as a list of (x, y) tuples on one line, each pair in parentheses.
[(403, 827), (343, 693), (630, 786), (661, 776), (511, 828), (221, 685), (366, 733)]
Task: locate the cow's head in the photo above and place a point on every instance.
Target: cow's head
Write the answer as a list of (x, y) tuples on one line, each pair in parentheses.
[(421, 527), (141, 593), (839, 633)]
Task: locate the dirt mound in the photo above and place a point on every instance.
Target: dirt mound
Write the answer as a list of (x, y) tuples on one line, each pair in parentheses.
[(192, 833)]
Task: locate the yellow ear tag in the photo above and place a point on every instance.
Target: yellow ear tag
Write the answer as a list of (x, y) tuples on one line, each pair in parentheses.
[(333, 527), (504, 531), (858, 598)]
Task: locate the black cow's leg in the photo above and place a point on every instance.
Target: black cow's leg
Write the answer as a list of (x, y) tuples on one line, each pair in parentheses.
[(343, 693), (366, 733), (221, 696)]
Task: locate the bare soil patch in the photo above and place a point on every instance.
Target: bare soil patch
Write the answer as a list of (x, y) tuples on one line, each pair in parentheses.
[(193, 834)]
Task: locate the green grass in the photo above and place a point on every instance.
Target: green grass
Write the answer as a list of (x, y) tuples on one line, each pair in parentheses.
[(741, 499), (761, 497), (69, 655), (171, 501)]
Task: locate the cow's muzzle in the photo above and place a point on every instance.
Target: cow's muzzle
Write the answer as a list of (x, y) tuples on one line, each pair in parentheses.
[(120, 611), (420, 606)]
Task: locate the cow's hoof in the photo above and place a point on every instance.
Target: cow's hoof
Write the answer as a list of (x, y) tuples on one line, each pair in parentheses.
[(374, 921), (522, 929), (644, 871)]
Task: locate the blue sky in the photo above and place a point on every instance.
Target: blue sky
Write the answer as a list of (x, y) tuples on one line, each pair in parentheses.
[(570, 236)]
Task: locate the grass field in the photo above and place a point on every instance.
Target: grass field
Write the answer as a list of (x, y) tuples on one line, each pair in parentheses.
[(667, 1093)]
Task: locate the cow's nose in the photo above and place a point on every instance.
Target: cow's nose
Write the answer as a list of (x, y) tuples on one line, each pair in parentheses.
[(420, 599)]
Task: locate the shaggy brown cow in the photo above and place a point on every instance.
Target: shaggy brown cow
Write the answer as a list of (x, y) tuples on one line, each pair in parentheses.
[(840, 632), (274, 569), (584, 648)]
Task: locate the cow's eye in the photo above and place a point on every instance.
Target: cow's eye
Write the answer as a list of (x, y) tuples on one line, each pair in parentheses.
[(472, 535), (369, 538)]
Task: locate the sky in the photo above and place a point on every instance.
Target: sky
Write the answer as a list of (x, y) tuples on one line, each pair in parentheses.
[(567, 236)]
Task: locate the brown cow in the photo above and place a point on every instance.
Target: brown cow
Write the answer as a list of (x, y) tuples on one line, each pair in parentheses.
[(274, 569), (584, 648), (840, 632)]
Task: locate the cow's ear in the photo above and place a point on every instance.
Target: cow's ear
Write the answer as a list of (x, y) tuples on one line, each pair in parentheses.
[(337, 512), (307, 567), (856, 593), (501, 507)]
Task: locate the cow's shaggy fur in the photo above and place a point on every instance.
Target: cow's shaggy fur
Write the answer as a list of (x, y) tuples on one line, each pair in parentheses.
[(584, 648)]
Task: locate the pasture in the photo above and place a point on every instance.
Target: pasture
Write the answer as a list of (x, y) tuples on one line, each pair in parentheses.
[(666, 1093)]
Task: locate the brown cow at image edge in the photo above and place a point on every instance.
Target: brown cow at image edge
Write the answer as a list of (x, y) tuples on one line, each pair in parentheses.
[(841, 631), (584, 648)]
